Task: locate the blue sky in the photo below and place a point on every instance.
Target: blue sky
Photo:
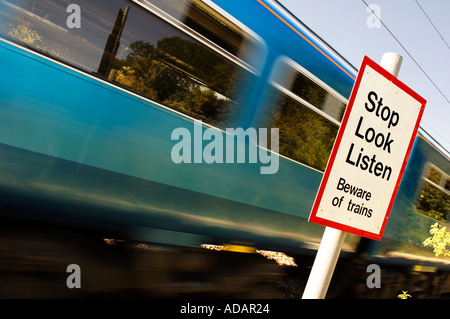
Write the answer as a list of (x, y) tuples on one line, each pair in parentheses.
[(344, 25)]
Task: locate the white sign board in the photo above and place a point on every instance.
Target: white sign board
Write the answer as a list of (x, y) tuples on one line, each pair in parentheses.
[(369, 155)]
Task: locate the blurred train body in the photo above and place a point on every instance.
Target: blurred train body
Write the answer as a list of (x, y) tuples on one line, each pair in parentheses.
[(87, 175)]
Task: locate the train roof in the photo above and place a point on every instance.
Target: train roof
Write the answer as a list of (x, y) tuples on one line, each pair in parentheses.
[(433, 143)]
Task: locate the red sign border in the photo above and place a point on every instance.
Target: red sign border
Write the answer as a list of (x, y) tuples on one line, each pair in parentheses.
[(325, 222)]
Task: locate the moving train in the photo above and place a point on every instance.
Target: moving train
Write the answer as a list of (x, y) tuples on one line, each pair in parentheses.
[(118, 151)]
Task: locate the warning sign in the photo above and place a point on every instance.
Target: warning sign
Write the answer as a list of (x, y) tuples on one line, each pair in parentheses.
[(370, 154)]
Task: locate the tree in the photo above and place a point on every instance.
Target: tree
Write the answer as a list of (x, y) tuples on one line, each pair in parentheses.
[(180, 73), (304, 135), (439, 241)]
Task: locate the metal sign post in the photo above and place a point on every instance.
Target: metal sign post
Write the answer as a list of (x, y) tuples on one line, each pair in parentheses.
[(324, 264), (340, 214)]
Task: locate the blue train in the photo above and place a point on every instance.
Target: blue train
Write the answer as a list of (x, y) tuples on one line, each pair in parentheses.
[(119, 118)]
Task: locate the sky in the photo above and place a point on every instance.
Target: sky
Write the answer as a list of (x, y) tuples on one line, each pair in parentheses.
[(352, 30)]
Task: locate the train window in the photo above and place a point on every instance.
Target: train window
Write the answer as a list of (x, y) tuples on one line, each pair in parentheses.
[(434, 197), (307, 114), (199, 16), (304, 135), (308, 90), (121, 41), (298, 81)]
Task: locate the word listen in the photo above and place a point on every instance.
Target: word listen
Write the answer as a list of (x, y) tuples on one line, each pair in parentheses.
[(380, 139)]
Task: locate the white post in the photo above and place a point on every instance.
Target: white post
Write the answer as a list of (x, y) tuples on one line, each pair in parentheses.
[(323, 267), (391, 62), (333, 239)]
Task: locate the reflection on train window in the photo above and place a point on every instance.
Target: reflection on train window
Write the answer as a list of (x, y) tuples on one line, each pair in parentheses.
[(200, 17), (306, 89), (123, 42), (434, 197), (304, 135), (294, 79), (307, 113)]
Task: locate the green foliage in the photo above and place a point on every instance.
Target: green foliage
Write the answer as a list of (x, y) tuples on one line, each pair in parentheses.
[(404, 295), (304, 135), (198, 61), (308, 90), (434, 175), (439, 241), (180, 73)]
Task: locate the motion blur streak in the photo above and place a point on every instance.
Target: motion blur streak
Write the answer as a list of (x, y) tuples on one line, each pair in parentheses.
[(280, 258)]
